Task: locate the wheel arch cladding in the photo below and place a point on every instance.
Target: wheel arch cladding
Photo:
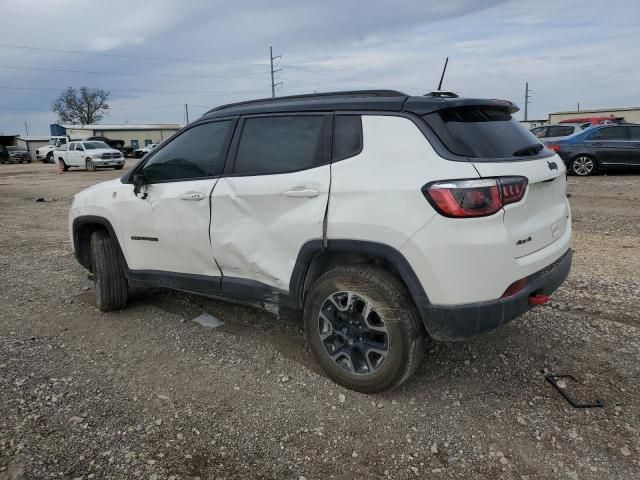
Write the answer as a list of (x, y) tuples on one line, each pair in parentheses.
[(314, 260), (83, 227)]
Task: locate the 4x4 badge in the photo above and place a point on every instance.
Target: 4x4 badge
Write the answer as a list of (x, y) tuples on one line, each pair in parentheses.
[(552, 165)]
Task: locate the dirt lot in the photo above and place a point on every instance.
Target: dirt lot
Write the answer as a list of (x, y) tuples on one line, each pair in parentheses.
[(145, 393)]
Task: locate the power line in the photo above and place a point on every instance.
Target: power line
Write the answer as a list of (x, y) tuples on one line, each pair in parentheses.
[(43, 69), (135, 57), (59, 89)]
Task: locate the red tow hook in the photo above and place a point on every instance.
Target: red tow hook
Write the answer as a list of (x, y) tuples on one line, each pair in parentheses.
[(538, 299)]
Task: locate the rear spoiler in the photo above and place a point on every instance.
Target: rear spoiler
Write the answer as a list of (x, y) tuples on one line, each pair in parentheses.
[(437, 101)]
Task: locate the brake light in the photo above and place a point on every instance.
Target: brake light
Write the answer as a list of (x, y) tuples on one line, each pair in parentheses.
[(553, 147), (474, 198), (512, 189)]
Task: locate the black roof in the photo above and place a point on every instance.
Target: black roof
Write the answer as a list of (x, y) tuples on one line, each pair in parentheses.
[(358, 100)]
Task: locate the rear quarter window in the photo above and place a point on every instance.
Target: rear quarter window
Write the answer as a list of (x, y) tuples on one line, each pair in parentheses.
[(347, 136), (484, 133)]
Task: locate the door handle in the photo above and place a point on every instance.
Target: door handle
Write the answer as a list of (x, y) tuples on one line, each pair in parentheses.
[(304, 192), (192, 196)]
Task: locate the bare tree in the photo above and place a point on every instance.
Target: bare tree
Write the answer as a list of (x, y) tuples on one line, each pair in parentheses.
[(84, 106)]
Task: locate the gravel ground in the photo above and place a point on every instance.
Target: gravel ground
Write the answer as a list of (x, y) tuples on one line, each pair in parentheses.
[(146, 393)]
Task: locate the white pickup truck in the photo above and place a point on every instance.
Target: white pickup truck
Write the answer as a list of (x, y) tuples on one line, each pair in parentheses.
[(89, 154), (46, 154)]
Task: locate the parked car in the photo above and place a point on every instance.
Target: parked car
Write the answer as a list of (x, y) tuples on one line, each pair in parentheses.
[(549, 133), (387, 219), (600, 148), (45, 153), (601, 120), (90, 155), (117, 144), (141, 152), (17, 155)]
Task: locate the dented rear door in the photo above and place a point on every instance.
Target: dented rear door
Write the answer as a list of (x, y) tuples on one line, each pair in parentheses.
[(272, 200)]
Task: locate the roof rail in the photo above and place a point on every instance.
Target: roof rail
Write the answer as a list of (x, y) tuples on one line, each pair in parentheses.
[(354, 93)]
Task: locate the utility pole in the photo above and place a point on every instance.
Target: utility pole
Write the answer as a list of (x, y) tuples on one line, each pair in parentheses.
[(578, 106), (26, 128), (186, 112), (273, 72), (527, 100)]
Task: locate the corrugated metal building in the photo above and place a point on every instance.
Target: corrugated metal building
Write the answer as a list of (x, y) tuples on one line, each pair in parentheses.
[(32, 143), (631, 114), (133, 135)]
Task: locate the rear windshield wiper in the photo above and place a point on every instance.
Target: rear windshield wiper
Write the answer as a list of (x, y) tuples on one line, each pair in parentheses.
[(529, 150)]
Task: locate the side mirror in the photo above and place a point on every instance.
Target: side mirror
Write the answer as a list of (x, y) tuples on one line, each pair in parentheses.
[(138, 183)]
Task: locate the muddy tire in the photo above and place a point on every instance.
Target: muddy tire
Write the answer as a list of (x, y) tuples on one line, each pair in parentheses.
[(49, 158), (89, 165), (363, 328), (110, 283)]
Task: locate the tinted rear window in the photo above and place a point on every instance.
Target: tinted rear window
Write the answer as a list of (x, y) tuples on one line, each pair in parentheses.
[(483, 133), (279, 144), (609, 133)]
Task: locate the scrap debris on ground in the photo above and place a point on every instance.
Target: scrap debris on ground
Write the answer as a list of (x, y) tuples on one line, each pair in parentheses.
[(144, 394)]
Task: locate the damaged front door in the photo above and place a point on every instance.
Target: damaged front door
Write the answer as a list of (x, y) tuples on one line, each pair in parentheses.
[(272, 200), (168, 223)]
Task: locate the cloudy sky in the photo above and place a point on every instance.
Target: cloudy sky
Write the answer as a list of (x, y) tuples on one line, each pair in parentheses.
[(154, 56)]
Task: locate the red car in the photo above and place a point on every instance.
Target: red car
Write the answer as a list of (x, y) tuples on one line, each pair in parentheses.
[(594, 120)]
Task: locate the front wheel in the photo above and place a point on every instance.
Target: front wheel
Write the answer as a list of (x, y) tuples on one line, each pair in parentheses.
[(582, 165), (118, 167), (65, 167), (363, 328), (89, 165), (49, 158), (110, 282)]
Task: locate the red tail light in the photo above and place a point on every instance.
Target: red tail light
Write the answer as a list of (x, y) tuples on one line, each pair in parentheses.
[(553, 147), (474, 198)]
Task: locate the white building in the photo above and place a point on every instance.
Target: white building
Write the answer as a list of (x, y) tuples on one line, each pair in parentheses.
[(133, 135)]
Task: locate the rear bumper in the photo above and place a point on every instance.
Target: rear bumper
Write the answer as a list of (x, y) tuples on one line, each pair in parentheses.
[(457, 322)]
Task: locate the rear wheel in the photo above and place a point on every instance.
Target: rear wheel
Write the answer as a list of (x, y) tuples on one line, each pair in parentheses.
[(583, 165), (109, 281), (89, 165), (363, 329)]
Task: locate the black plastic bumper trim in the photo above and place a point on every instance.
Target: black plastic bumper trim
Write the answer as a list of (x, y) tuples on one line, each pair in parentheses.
[(459, 322)]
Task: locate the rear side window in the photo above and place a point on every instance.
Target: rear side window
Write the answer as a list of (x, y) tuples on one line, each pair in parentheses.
[(279, 144), (609, 133), (559, 131), (483, 133), (634, 134), (347, 136)]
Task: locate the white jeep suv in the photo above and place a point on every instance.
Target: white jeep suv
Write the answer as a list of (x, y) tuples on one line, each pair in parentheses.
[(388, 219)]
